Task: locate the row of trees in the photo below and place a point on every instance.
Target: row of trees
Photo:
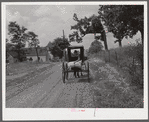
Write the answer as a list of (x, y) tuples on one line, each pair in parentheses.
[(59, 44), (18, 37), (122, 20)]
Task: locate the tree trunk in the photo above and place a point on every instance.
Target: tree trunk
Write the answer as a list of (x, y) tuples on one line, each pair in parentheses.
[(120, 43), (94, 35), (37, 53), (19, 58), (105, 40)]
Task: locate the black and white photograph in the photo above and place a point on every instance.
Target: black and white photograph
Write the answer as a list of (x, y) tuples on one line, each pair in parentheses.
[(79, 57)]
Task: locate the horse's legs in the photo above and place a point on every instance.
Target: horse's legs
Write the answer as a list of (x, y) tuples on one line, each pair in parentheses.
[(78, 74), (75, 73), (81, 73)]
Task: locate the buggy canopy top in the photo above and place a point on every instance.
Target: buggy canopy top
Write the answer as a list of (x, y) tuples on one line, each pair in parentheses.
[(67, 53)]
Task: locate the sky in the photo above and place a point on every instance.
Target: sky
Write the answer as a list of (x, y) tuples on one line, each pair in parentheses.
[(49, 21)]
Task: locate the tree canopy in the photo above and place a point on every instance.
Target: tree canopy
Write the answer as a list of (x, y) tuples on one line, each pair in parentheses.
[(123, 20), (85, 26), (18, 36), (34, 42), (58, 45)]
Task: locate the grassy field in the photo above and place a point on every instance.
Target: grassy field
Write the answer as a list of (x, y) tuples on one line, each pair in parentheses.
[(23, 71), (111, 88), (119, 78), (20, 67), (23, 67), (128, 60)]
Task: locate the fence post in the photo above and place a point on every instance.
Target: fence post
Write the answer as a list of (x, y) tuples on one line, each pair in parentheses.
[(133, 69), (105, 56), (109, 55), (116, 58)]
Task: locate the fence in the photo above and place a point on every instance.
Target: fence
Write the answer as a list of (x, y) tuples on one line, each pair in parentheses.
[(129, 59)]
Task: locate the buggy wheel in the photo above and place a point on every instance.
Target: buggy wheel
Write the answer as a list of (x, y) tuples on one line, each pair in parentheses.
[(88, 73), (63, 72)]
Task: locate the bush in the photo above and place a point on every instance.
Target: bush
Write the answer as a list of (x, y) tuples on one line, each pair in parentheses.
[(95, 47)]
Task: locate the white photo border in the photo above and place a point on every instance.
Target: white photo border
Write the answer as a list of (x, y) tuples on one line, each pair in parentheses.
[(65, 113)]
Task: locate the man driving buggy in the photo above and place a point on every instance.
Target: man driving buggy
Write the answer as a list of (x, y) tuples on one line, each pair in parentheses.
[(76, 54)]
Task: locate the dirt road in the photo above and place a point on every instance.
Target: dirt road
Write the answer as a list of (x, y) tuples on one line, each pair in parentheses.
[(46, 90), (108, 88)]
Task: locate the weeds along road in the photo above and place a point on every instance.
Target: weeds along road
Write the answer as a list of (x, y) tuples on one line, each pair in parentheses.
[(47, 90)]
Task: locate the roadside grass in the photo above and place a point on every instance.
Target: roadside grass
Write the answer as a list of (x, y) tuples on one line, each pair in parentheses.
[(23, 71), (18, 84), (128, 59), (31, 74), (111, 89), (30, 71), (22, 67)]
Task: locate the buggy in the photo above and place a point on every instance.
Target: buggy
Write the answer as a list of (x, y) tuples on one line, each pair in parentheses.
[(69, 62)]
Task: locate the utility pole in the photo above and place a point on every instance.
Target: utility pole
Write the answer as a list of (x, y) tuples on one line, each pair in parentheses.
[(63, 35)]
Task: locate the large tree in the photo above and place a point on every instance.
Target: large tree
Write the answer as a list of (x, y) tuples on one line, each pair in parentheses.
[(34, 42), (88, 25), (123, 20), (18, 36)]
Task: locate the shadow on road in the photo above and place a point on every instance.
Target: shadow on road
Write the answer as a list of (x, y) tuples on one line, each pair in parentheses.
[(82, 79)]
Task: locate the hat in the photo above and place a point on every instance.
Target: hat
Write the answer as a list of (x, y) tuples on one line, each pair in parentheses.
[(75, 51)]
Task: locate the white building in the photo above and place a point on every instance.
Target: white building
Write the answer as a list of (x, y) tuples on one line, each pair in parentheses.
[(44, 57)]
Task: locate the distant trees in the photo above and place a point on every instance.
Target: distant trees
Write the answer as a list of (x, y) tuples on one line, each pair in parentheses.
[(85, 26), (18, 36), (95, 47), (123, 20), (58, 45)]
